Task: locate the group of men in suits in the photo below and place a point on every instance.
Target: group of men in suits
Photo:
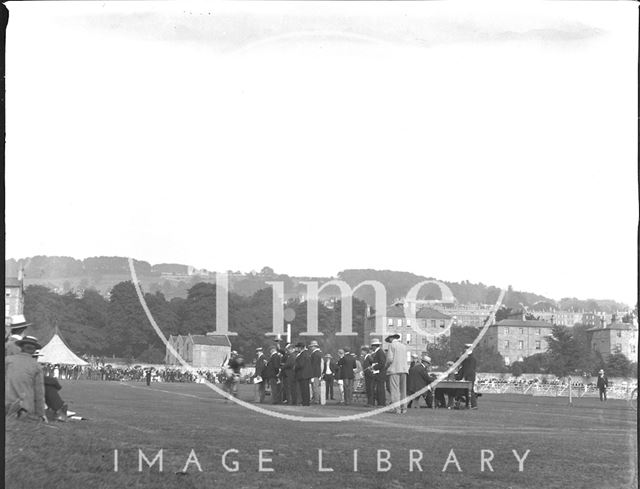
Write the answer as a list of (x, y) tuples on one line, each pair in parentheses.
[(294, 374)]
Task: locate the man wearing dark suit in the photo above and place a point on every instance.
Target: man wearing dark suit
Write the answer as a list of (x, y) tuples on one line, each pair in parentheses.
[(419, 378), (603, 383), (367, 362), (316, 370), (329, 368), (272, 374), (379, 373), (303, 372), (468, 372), (289, 376), (261, 364), (347, 366)]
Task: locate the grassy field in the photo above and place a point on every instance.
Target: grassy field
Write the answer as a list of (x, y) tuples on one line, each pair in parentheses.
[(589, 445)]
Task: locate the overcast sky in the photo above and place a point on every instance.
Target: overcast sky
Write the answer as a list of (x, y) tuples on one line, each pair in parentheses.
[(496, 146)]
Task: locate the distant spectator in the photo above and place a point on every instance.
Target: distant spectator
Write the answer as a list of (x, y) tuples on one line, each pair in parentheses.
[(603, 383)]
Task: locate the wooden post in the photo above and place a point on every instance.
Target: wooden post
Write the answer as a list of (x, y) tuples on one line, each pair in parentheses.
[(570, 398)]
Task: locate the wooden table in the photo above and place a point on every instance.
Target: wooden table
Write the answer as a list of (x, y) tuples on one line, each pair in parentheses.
[(465, 385)]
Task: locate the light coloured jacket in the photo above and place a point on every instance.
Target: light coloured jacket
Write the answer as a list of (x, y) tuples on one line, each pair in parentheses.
[(397, 358), (24, 381)]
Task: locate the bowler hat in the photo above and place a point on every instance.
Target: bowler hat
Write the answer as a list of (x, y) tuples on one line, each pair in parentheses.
[(426, 358), (376, 341), (29, 340), (300, 344)]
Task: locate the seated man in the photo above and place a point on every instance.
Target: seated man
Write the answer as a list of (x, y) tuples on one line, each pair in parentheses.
[(24, 382), (56, 407)]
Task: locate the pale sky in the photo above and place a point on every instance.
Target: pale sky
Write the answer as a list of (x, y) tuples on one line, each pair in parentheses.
[(495, 145)]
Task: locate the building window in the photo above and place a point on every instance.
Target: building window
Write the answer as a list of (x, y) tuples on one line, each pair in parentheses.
[(619, 334), (506, 361), (538, 331), (442, 324), (618, 348), (506, 330), (408, 337), (538, 345), (399, 322), (506, 345), (408, 323), (389, 322), (433, 323), (521, 330), (520, 345), (424, 340)]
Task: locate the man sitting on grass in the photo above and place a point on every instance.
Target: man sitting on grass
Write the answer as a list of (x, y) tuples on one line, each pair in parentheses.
[(24, 382), (56, 407)]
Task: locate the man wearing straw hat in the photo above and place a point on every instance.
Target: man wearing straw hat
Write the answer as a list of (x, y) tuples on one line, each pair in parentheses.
[(397, 372), (379, 373), (14, 331), (418, 379), (24, 382)]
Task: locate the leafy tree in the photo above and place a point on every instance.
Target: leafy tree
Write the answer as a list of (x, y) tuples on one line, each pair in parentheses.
[(129, 330), (489, 360), (564, 352), (200, 309), (517, 369), (535, 364), (440, 351), (618, 365)]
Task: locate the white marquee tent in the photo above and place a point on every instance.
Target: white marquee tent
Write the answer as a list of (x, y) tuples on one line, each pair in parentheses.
[(57, 352)]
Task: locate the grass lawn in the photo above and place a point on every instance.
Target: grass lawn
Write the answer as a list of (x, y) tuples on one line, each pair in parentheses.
[(589, 445)]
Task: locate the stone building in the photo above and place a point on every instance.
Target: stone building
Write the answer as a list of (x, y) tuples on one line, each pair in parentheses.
[(199, 351), (615, 338), (516, 339), (416, 332), (13, 296)]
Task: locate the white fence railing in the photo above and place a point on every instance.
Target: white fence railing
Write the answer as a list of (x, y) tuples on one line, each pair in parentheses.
[(621, 391)]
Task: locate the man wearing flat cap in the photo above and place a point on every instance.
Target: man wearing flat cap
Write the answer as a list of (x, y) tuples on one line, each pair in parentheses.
[(24, 382), (397, 371)]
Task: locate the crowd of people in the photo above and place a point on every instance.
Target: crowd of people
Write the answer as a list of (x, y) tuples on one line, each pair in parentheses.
[(302, 374)]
